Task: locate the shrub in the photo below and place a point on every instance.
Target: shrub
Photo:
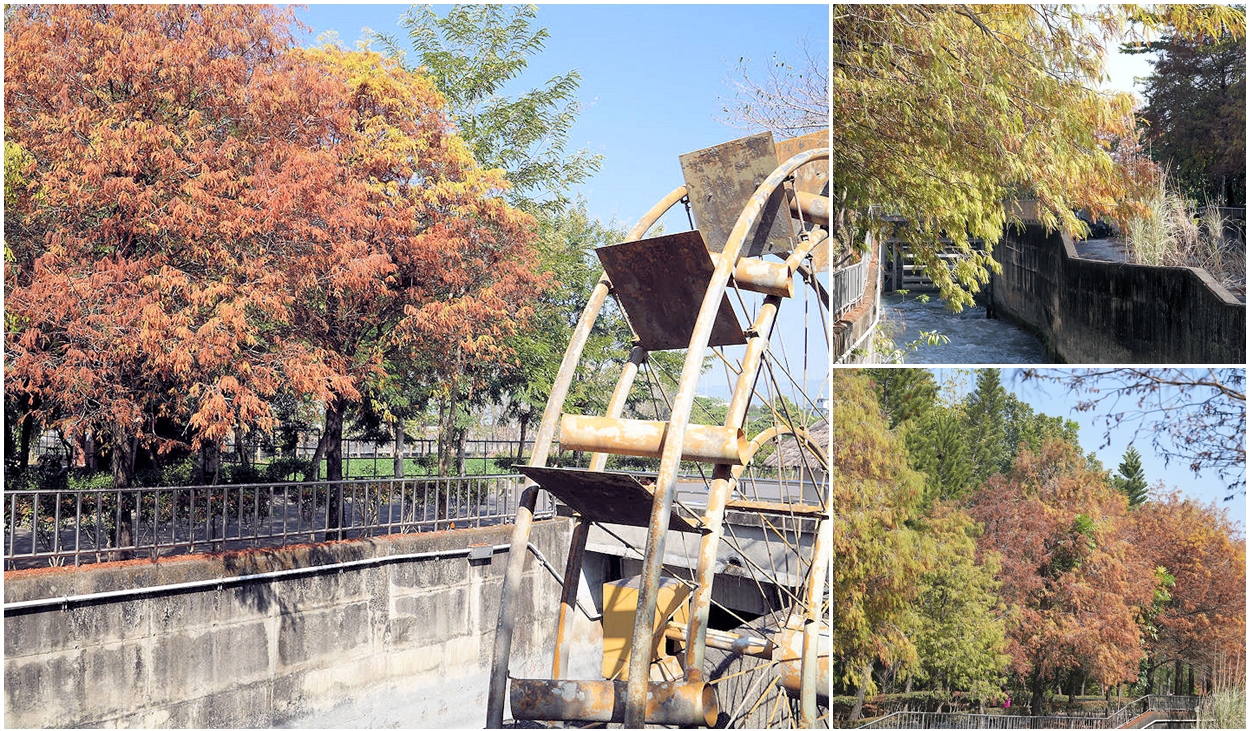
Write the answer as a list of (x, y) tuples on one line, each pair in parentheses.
[(286, 469), (1172, 233)]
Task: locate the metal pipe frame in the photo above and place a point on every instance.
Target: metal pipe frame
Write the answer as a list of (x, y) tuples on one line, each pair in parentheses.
[(800, 434), (821, 556), (668, 703), (542, 444), (577, 547), (814, 208), (645, 438), (723, 481), (670, 461)]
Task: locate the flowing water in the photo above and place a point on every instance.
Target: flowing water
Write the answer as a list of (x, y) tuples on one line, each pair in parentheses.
[(973, 337)]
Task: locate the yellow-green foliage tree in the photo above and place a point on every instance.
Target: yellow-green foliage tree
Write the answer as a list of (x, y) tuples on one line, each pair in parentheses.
[(941, 113), (957, 621), (875, 565)]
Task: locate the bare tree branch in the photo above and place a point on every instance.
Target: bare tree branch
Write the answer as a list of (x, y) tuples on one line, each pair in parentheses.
[(1194, 415)]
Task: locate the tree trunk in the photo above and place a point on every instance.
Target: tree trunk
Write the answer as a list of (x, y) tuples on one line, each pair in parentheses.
[(240, 447), (89, 448), (857, 710), (28, 429), (1037, 687), (123, 478), (334, 469), (398, 432), (210, 463), (461, 436), (523, 421), (1178, 687), (447, 434), (1150, 679)]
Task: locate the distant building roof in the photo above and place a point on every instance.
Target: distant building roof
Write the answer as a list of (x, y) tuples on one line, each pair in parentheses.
[(787, 452)]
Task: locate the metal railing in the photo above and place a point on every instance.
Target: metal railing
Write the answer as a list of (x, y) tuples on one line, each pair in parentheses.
[(848, 286), (58, 527), (361, 458), (1115, 719)]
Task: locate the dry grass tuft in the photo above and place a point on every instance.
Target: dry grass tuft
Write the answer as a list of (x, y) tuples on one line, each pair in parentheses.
[(1174, 233)]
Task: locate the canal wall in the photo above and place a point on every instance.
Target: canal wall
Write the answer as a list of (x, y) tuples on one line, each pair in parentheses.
[(1088, 311), (353, 633)]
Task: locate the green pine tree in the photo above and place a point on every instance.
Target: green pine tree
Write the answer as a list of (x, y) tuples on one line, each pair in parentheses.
[(904, 393), (1131, 479), (937, 445), (986, 414)]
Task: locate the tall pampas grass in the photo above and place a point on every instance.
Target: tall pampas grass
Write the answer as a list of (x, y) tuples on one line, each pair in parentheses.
[(1225, 706), (1172, 232)]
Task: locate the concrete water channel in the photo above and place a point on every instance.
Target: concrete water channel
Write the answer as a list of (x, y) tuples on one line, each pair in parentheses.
[(973, 337)]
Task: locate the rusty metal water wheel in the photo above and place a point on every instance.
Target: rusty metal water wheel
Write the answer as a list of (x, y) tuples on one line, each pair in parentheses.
[(739, 502)]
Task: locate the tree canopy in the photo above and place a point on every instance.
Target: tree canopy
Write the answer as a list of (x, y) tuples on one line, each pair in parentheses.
[(1195, 113), (875, 566), (1033, 575), (474, 51), (210, 215), (944, 113), (1076, 588)]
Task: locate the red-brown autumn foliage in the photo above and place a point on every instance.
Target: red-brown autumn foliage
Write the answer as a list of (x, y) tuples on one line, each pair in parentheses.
[(1204, 623), (1070, 579), (212, 215), (393, 244)]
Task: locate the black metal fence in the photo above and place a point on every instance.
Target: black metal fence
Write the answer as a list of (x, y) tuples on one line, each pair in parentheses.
[(361, 458), (57, 527), (1180, 705)]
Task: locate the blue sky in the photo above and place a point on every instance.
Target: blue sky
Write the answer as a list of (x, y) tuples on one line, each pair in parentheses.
[(654, 79), (1054, 400)]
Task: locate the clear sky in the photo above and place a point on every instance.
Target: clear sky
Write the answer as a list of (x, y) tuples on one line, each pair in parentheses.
[(654, 79), (1054, 400), (1125, 69)]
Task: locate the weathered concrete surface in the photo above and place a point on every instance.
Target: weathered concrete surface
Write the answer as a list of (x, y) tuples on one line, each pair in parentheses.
[(401, 643), (1106, 312)]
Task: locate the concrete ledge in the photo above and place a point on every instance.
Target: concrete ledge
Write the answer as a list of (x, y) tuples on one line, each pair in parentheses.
[(1088, 311), (59, 581)]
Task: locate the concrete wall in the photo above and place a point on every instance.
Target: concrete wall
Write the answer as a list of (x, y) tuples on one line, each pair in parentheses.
[(1089, 311), (402, 643)]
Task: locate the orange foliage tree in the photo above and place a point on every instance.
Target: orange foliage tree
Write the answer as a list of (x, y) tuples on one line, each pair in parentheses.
[(1071, 581), (404, 250), (135, 290), (209, 215), (1203, 625)]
